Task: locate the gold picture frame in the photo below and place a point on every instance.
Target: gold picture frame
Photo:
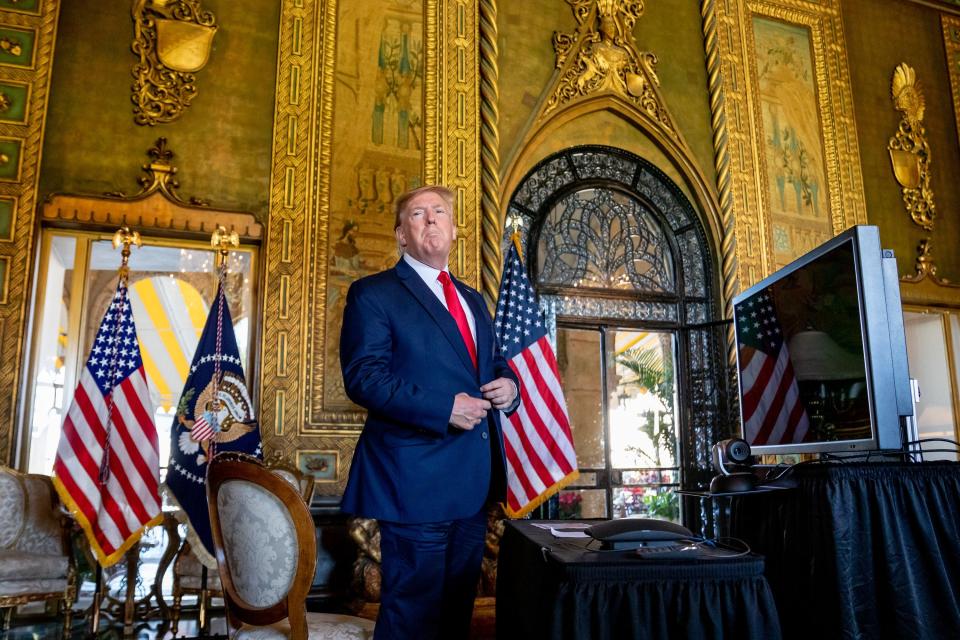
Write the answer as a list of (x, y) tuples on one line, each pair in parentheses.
[(322, 464), (784, 132)]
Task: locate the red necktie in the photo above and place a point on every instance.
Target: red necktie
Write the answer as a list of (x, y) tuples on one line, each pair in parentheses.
[(456, 310)]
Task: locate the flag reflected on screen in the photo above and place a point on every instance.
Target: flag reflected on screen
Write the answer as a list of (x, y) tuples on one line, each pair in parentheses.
[(771, 407), (537, 438), (107, 467)]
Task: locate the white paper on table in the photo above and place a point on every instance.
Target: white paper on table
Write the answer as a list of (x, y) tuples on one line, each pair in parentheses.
[(561, 533), (550, 526)]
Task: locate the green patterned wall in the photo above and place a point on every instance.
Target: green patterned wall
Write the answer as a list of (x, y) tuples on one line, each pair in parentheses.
[(222, 141)]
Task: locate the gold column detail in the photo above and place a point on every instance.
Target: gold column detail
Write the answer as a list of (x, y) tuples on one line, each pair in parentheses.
[(600, 56), (17, 250), (489, 153), (172, 41), (951, 45), (728, 240), (909, 150)]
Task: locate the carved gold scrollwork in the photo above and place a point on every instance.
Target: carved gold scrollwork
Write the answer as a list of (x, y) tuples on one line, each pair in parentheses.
[(909, 150), (601, 56), (172, 39), (926, 267)]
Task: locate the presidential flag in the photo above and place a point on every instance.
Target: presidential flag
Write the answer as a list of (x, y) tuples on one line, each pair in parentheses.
[(107, 468), (537, 438), (215, 414), (771, 407)]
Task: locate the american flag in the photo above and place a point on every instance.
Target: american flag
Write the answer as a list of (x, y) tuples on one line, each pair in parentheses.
[(537, 438), (203, 429), (107, 467), (771, 407)]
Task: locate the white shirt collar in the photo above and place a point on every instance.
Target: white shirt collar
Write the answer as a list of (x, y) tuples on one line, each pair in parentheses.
[(425, 271)]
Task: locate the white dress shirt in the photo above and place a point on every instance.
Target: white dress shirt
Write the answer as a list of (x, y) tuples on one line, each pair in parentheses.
[(429, 275)]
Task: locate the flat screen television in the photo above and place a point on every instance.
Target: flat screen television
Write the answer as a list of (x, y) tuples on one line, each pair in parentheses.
[(821, 352)]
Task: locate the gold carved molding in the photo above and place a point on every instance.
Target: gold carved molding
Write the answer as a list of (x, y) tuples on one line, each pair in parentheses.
[(172, 41), (605, 33), (909, 149), (926, 267), (951, 45), (491, 227), (601, 56), (21, 191), (156, 207), (743, 174), (293, 409)]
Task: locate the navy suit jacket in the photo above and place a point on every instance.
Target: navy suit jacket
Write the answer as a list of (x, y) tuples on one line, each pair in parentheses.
[(403, 359)]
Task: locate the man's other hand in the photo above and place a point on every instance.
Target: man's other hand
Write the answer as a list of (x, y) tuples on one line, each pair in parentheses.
[(500, 392), (468, 411)]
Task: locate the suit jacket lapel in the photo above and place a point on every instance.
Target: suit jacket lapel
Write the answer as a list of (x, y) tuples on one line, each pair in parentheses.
[(435, 308)]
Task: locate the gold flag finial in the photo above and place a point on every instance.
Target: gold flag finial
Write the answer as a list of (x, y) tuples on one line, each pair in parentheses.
[(516, 223), (222, 242), (125, 237)]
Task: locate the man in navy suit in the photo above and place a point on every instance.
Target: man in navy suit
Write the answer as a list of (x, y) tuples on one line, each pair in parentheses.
[(418, 351)]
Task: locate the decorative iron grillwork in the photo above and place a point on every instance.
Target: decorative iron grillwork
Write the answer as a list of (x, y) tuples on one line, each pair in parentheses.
[(603, 239)]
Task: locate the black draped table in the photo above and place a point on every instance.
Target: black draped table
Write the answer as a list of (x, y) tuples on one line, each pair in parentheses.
[(558, 588), (861, 550)]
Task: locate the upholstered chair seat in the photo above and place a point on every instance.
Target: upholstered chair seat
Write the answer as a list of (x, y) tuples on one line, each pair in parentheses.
[(36, 561), (266, 552)]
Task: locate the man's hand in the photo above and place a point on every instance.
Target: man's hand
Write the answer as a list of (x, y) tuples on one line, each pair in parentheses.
[(468, 411), (500, 392)]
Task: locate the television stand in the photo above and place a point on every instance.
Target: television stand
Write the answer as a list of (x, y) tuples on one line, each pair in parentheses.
[(860, 549)]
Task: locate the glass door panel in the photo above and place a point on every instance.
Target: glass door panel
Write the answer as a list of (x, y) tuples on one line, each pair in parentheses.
[(928, 352), (578, 359), (620, 391), (641, 412)]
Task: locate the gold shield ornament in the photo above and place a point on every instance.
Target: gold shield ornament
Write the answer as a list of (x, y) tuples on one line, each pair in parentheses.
[(184, 46)]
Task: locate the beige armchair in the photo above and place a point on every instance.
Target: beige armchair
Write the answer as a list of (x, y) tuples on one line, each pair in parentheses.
[(266, 552), (36, 556), (187, 568)]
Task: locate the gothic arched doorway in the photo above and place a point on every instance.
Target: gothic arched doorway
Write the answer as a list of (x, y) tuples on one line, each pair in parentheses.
[(626, 275)]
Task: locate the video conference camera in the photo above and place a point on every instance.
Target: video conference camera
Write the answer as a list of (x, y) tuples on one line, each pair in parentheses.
[(730, 458)]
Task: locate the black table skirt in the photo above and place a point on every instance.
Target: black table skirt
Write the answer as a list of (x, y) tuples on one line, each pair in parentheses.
[(861, 551), (558, 589)]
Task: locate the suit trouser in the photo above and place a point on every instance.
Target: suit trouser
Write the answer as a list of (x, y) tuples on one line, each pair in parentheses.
[(429, 578)]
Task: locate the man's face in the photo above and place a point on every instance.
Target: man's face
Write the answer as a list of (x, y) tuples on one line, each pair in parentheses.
[(426, 229)]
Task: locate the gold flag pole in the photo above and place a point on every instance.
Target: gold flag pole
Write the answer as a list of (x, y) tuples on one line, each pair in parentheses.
[(222, 243), (122, 238)]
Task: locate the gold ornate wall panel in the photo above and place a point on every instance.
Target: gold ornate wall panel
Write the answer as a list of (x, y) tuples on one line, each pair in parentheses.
[(951, 45), (373, 98), (27, 40), (788, 160)]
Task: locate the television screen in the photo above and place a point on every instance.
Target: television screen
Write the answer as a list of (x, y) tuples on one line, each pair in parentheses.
[(814, 352)]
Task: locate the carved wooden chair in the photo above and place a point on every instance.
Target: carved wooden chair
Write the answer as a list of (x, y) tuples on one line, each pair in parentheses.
[(36, 555), (266, 551), (303, 482), (187, 568)]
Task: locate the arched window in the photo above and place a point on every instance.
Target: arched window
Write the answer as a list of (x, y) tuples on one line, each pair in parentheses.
[(623, 269)]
